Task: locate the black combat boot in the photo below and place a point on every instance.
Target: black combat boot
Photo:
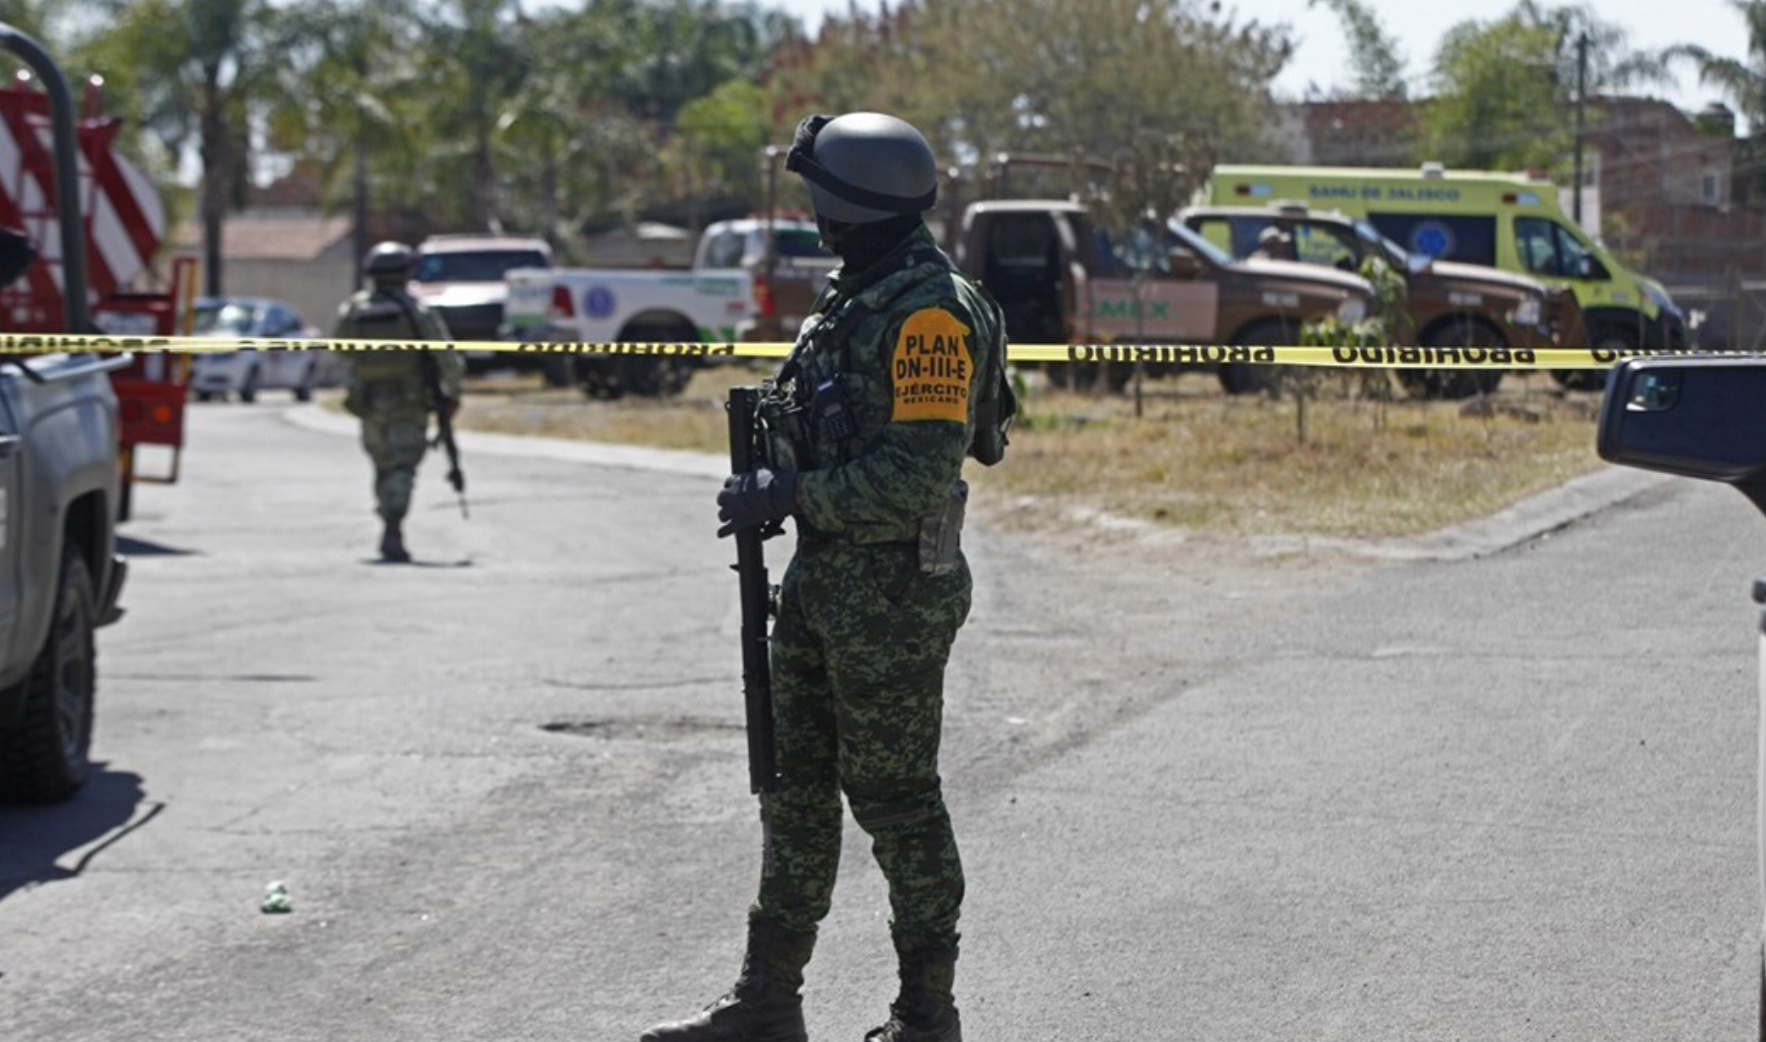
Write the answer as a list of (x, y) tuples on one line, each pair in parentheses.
[(764, 1006), (392, 544), (925, 1011)]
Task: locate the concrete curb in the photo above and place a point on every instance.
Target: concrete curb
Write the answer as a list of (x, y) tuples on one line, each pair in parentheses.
[(1527, 520), (623, 457)]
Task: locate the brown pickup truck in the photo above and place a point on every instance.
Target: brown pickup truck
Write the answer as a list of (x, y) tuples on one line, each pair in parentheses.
[(1449, 304), (1060, 280)]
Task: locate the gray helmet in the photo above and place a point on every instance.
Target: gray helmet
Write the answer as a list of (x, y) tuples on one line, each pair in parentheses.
[(864, 167), (389, 262)]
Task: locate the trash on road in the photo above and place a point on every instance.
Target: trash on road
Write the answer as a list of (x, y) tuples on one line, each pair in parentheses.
[(276, 899)]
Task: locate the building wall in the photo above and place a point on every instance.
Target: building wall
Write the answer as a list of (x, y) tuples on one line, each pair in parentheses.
[(314, 287)]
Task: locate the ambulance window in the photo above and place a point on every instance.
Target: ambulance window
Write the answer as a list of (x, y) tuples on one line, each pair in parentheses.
[(1537, 242), (1578, 260), (1441, 236)]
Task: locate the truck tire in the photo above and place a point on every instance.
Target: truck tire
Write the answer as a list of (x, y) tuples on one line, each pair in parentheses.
[(1452, 385), (1607, 336), (596, 378), (1241, 378), (655, 376), (45, 759)]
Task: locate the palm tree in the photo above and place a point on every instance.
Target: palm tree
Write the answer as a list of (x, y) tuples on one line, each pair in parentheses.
[(347, 67), (1744, 82), (195, 71)]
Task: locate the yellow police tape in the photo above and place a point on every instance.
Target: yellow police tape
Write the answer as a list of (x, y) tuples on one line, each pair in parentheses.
[(1379, 357)]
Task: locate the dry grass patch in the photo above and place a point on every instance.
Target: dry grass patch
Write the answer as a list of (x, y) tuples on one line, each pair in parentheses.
[(1195, 459)]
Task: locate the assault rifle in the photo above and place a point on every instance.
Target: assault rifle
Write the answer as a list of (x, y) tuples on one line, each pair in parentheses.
[(746, 452), (444, 428)]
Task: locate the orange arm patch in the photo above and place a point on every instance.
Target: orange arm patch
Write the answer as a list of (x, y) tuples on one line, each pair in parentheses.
[(931, 368)]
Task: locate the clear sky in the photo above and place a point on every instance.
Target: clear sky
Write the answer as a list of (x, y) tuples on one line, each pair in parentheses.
[(1418, 25)]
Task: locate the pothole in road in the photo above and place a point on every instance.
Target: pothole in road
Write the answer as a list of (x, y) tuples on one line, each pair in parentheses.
[(658, 729)]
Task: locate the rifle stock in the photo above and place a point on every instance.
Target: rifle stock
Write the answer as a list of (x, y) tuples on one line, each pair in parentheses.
[(756, 596)]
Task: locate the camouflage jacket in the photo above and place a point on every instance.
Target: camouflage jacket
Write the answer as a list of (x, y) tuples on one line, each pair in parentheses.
[(885, 369), (381, 314)]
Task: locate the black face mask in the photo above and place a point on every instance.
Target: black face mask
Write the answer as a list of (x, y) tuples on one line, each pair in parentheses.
[(862, 245), (833, 232)]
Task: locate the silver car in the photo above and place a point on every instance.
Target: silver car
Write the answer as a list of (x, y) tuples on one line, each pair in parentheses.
[(246, 372)]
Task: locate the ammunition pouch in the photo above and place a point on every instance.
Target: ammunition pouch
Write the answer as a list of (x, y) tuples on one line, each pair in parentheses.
[(941, 532), (785, 439)]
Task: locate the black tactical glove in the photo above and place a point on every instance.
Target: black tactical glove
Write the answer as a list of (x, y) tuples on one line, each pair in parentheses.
[(755, 498)]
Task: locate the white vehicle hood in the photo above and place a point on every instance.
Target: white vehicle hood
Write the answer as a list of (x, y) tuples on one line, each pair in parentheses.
[(1314, 273), (460, 294)]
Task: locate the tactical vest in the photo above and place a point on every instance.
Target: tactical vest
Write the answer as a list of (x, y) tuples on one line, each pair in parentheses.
[(832, 419), (382, 314)]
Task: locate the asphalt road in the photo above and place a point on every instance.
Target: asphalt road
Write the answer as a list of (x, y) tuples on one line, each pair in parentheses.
[(1202, 795)]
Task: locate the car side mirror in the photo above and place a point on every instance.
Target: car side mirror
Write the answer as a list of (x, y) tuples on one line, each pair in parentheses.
[(1698, 418)]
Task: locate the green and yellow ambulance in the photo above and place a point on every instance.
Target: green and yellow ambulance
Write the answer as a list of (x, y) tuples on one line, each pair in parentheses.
[(1503, 220)]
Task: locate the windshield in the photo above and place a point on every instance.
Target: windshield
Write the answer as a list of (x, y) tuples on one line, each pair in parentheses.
[(222, 320), (1193, 242), (1394, 253), (476, 266)]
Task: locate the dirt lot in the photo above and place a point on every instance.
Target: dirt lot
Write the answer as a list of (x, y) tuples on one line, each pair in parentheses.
[(1194, 463)]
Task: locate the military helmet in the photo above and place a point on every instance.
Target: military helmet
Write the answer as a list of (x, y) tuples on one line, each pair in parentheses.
[(864, 167), (389, 262)]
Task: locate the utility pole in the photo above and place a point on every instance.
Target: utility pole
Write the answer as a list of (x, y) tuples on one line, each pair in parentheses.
[(1581, 100)]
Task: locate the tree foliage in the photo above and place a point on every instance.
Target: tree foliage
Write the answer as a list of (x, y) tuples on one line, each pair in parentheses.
[(1743, 82), (557, 119), (1374, 55), (1156, 87), (192, 72), (1505, 89)]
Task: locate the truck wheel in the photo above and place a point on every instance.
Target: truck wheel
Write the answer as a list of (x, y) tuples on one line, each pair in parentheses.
[(1604, 336), (656, 376), (1454, 384), (1242, 378), (44, 759)]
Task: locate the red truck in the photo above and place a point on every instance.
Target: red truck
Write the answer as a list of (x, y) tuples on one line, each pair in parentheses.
[(121, 224)]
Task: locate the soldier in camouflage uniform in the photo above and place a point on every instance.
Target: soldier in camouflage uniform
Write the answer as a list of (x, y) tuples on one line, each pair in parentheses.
[(390, 390), (886, 378)]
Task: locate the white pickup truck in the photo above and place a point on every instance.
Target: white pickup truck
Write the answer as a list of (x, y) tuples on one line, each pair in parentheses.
[(576, 305)]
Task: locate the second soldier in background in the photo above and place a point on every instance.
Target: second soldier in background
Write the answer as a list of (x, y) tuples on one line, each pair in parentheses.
[(391, 390)]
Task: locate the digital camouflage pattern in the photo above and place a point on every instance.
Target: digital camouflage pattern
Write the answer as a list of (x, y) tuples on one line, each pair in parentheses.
[(386, 388), (863, 631)]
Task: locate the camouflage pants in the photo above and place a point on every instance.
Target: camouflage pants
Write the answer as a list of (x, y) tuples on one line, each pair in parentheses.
[(396, 436), (858, 657)]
